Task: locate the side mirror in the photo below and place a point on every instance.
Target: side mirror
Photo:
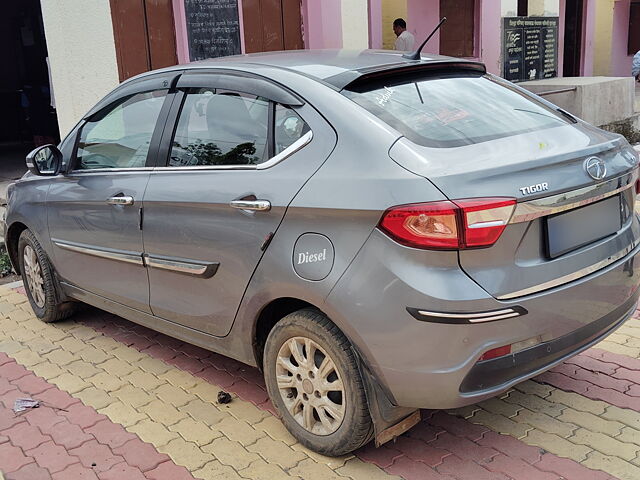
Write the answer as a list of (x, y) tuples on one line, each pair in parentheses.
[(45, 160)]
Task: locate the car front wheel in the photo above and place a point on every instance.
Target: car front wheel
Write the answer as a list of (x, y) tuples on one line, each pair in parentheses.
[(38, 279), (313, 380)]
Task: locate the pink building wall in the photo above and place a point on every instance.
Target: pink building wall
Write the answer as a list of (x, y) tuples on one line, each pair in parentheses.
[(322, 23), (375, 24), (422, 18), (588, 47), (620, 60)]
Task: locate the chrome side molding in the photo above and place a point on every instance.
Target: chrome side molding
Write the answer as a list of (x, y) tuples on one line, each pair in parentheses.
[(180, 265), (467, 317), (542, 207), (110, 254)]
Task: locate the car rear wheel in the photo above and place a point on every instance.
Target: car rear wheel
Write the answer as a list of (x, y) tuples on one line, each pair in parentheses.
[(38, 279), (313, 380)]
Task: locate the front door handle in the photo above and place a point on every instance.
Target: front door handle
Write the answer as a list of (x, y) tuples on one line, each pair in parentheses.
[(120, 200), (255, 205)]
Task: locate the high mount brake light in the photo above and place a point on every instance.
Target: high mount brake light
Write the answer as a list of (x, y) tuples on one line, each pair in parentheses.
[(449, 225)]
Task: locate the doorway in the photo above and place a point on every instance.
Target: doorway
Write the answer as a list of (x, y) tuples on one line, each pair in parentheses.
[(272, 25), (28, 115), (573, 38), (457, 35)]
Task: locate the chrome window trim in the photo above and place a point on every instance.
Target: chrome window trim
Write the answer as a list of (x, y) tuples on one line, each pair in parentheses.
[(118, 255), (287, 152), (542, 207), (187, 267), (583, 272)]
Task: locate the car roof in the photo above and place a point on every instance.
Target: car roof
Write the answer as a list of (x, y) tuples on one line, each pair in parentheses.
[(333, 66)]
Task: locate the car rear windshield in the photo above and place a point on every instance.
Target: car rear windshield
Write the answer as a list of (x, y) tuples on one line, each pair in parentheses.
[(454, 110)]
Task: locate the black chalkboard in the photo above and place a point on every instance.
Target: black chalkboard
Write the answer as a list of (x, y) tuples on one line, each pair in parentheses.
[(529, 48), (213, 28)]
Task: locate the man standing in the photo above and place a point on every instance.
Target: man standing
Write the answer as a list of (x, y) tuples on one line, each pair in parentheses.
[(405, 40)]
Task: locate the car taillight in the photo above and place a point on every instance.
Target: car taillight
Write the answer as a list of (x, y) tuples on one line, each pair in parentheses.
[(449, 225), (495, 353)]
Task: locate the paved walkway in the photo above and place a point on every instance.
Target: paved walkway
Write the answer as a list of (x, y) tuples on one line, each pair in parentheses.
[(120, 401)]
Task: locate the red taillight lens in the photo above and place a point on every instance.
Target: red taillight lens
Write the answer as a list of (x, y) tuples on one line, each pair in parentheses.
[(495, 353), (467, 223)]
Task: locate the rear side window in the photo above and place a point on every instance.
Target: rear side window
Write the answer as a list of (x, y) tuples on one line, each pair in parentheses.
[(220, 128), (456, 110), (121, 137)]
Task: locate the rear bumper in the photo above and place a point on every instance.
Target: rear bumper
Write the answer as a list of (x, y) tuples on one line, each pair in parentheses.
[(424, 364)]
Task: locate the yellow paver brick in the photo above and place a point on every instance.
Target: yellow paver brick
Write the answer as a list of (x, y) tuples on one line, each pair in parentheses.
[(310, 470), (577, 402), (143, 380), (591, 422), (545, 423), (10, 347), (152, 365), (245, 411), (173, 395), (94, 355), (105, 343), (23, 335), (331, 462), (276, 452), (134, 396), (70, 383), (535, 403), (82, 332), (47, 370), (273, 427), (119, 368), (82, 369), (71, 344), (623, 415), (107, 382), (359, 470), (179, 378), (230, 453), (163, 412), (613, 466), (60, 357), (620, 349), (557, 445), (463, 412), (96, 398), (27, 358), (42, 346), (196, 432), (205, 391), (214, 470), (238, 430), (186, 453), (500, 407), (605, 444), (16, 298), (500, 423), (123, 414), (153, 433), (261, 470), (202, 412), (629, 435), (127, 354)]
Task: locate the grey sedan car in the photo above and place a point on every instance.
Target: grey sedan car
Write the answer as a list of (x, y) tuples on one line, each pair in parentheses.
[(377, 234)]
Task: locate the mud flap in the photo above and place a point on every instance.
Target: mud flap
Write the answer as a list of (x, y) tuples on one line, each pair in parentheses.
[(389, 420)]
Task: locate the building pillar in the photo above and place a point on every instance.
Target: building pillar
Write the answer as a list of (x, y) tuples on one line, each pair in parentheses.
[(355, 24), (603, 37)]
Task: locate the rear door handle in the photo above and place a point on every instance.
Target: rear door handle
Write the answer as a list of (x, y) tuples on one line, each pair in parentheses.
[(120, 200), (256, 205)]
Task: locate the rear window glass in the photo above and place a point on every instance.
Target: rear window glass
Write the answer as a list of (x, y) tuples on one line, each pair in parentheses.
[(454, 111)]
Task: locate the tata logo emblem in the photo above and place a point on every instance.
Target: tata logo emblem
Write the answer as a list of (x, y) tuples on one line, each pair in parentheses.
[(595, 167)]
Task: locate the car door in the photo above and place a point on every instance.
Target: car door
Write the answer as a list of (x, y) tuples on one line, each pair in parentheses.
[(94, 208), (238, 150)]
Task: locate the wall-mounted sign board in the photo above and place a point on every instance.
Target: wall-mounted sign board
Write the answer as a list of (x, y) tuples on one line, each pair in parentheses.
[(213, 28), (529, 48)]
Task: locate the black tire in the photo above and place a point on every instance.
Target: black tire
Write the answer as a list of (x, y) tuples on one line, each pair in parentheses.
[(356, 428), (51, 309)]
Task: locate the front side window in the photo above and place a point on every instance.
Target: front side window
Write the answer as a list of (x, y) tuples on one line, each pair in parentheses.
[(219, 127), (453, 111), (121, 138)]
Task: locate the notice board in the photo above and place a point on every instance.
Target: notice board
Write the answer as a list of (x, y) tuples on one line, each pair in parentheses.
[(529, 48), (213, 28)]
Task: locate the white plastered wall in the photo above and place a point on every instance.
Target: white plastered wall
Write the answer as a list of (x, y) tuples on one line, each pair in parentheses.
[(82, 55), (355, 24)]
